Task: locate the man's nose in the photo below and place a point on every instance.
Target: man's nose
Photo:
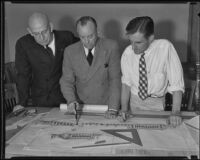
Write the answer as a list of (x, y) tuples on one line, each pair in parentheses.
[(42, 36), (133, 45), (86, 40)]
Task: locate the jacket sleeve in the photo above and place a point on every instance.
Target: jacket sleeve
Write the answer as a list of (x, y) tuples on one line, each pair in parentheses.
[(23, 73), (67, 80), (114, 78)]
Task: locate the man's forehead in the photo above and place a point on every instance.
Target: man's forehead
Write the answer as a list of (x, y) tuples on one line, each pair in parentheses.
[(137, 36), (37, 27), (37, 22), (86, 30)]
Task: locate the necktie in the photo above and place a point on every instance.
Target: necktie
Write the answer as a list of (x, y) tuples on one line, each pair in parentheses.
[(90, 57), (143, 83), (50, 52)]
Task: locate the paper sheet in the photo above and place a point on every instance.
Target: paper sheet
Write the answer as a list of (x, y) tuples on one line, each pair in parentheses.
[(22, 122), (37, 137)]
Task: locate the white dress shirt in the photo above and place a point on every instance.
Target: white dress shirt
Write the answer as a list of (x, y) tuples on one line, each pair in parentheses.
[(164, 70), (87, 51), (52, 45)]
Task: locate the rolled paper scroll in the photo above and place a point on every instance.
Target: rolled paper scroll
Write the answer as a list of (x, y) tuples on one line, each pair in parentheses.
[(88, 108)]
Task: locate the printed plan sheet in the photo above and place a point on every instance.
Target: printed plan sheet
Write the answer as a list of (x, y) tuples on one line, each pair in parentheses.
[(56, 134)]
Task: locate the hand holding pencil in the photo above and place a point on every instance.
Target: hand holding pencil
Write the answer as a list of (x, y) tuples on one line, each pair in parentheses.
[(73, 108)]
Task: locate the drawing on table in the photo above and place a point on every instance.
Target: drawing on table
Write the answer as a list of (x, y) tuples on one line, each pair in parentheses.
[(75, 135), (119, 134), (129, 126), (56, 133)]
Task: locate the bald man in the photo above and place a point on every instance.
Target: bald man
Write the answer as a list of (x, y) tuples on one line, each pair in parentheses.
[(38, 59)]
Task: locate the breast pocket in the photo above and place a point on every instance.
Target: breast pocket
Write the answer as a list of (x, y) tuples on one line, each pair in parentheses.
[(105, 72)]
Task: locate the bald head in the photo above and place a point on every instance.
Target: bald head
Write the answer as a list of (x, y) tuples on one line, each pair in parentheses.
[(37, 20), (40, 28)]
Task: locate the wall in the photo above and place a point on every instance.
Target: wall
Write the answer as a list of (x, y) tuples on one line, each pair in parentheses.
[(171, 21)]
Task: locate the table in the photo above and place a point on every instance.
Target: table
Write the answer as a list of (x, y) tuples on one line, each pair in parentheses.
[(145, 134)]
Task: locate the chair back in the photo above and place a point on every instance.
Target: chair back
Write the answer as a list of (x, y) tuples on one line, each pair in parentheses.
[(10, 72), (11, 77), (188, 96), (11, 96)]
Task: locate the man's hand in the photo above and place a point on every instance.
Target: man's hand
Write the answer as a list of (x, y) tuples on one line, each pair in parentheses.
[(174, 120), (17, 107), (123, 116), (110, 114), (71, 107)]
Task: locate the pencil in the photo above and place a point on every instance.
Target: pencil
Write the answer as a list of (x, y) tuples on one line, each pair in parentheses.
[(76, 114)]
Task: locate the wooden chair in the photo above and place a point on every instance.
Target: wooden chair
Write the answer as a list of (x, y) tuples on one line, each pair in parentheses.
[(11, 77), (187, 98), (11, 97), (10, 72)]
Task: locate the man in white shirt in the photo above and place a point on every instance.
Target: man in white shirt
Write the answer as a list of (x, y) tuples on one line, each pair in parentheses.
[(150, 68)]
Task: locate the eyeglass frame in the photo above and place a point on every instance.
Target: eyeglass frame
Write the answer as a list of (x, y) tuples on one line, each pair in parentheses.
[(37, 34)]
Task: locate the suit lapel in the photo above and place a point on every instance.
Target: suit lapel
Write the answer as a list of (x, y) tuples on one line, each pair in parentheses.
[(99, 55), (83, 58)]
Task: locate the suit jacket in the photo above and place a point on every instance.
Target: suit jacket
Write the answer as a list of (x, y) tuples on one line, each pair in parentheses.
[(99, 83), (38, 71)]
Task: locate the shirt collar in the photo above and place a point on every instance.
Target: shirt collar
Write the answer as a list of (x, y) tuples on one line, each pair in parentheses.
[(52, 43), (146, 52), (87, 50)]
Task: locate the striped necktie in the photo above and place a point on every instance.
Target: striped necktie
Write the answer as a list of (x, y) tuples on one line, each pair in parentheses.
[(143, 83)]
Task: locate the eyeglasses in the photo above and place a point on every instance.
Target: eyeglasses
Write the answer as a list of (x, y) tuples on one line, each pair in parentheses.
[(36, 34)]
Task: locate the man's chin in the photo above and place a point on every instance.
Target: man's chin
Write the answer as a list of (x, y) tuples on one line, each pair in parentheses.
[(88, 47), (42, 44)]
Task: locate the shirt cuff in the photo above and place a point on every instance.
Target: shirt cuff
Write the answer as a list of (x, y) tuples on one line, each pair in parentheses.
[(174, 88), (111, 109), (71, 102), (124, 81)]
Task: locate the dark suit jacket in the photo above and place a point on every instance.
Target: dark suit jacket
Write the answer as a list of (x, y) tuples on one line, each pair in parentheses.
[(99, 83), (38, 71)]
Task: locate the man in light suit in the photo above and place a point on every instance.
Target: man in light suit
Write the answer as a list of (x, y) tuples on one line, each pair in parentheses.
[(91, 70), (38, 59)]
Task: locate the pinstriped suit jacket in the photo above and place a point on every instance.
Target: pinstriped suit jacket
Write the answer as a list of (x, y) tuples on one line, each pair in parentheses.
[(38, 71)]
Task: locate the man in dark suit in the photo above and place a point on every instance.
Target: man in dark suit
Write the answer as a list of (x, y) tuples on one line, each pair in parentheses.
[(39, 57), (91, 70)]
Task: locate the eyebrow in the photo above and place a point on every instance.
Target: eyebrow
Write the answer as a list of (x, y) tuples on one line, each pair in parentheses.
[(87, 36), (43, 30)]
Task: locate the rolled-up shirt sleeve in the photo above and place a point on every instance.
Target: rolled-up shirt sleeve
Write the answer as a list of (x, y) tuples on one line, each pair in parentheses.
[(174, 71), (126, 79)]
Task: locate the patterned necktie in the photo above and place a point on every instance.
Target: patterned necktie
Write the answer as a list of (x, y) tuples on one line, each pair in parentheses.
[(49, 50), (143, 83), (90, 57)]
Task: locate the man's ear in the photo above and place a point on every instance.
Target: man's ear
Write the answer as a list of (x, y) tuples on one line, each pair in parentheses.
[(99, 33), (151, 38), (29, 31), (51, 26)]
